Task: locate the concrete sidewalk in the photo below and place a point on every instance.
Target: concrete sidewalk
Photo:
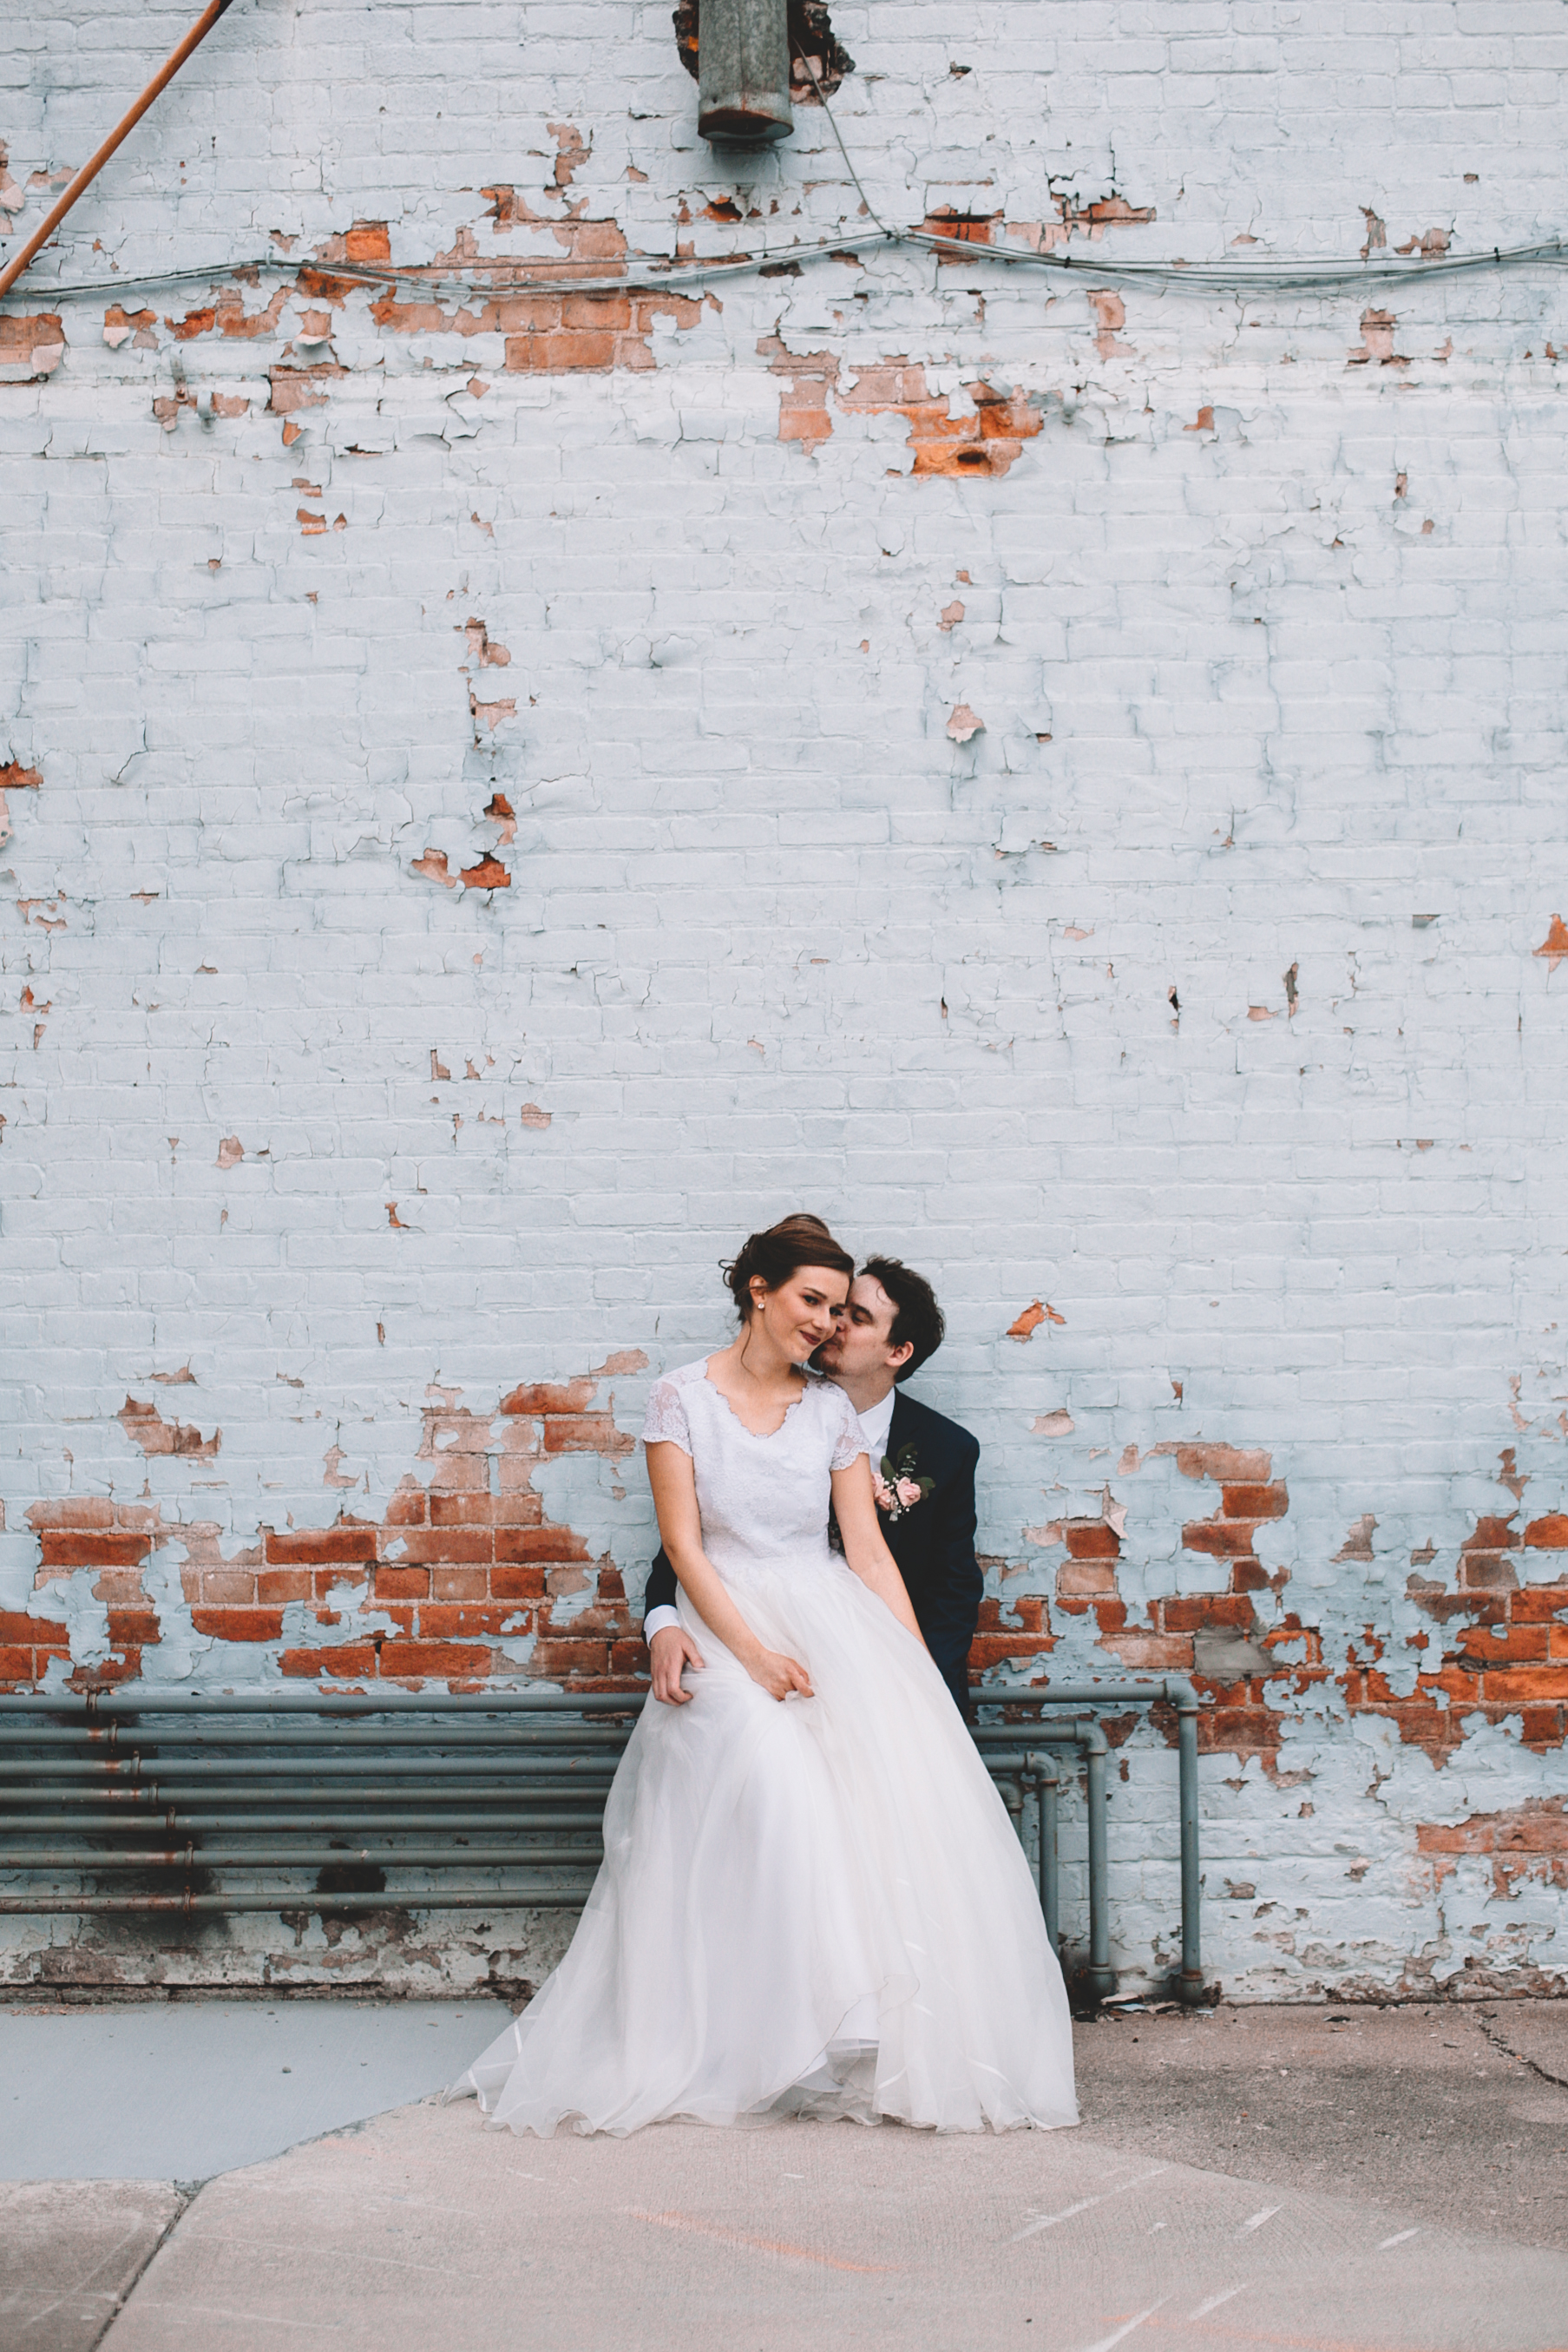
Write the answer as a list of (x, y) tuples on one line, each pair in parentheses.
[(1247, 2179)]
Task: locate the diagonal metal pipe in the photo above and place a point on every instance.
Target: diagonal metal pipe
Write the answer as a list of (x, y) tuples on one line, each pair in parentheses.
[(121, 131)]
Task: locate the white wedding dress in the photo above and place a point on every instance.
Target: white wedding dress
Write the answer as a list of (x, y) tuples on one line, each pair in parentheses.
[(818, 1907)]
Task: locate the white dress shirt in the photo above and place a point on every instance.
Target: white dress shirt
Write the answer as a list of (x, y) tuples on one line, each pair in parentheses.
[(875, 1424)]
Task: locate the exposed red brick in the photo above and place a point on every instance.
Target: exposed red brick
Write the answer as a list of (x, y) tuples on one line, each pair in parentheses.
[(352, 1661), (400, 1583), (232, 1625), (517, 1583), (1196, 1613), (445, 1622), (1151, 1653), (1220, 1538), (1537, 1604), (235, 1587), (555, 1657), (31, 347), (551, 1543), (145, 1427), (448, 1547), (308, 1547), (587, 1432), (1254, 1501), (1226, 1465), (1549, 1534), (367, 240), (963, 229), (302, 387), (1516, 1684), (279, 1584), (76, 1547), (1092, 1540), (539, 1397)]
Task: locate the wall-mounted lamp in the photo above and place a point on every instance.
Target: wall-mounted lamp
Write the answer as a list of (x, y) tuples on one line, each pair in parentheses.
[(743, 72)]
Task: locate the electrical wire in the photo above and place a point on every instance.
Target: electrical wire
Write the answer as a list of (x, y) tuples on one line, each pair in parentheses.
[(1238, 279), (491, 282)]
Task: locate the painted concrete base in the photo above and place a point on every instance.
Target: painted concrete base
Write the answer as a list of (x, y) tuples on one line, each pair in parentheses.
[(175, 2092)]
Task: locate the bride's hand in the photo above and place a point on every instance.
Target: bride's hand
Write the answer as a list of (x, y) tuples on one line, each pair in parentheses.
[(778, 1676)]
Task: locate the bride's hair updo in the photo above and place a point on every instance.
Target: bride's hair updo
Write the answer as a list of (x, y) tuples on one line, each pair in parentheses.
[(796, 1241)]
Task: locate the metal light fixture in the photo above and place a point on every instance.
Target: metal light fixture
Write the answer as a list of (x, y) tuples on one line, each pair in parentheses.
[(743, 72)]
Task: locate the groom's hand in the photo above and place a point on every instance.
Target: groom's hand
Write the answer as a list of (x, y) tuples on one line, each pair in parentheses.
[(672, 1648)]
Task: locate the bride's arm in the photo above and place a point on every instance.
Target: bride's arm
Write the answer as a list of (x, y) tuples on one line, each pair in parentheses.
[(675, 1486), (854, 1508)]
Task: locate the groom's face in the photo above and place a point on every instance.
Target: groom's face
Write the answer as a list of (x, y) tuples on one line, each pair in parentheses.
[(860, 1345)]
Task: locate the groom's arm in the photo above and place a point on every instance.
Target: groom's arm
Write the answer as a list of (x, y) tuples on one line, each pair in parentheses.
[(956, 1584), (658, 1593), (670, 1646)]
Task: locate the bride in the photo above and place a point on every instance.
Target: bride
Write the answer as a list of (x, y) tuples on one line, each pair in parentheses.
[(812, 1900)]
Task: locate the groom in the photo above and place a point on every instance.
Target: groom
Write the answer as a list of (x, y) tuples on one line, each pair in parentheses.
[(923, 1468)]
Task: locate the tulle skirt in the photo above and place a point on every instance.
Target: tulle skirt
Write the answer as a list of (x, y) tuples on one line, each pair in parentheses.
[(818, 1907)]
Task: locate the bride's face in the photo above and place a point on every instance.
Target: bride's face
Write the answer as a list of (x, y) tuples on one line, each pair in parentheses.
[(802, 1312)]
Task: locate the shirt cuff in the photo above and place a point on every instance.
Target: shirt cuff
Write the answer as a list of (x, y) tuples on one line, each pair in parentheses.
[(659, 1619)]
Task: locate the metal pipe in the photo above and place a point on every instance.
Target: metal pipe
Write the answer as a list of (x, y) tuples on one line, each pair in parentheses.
[(460, 1736), (743, 71), (304, 1857), (161, 1796), (1007, 1744), (1176, 1691), (281, 1899), (138, 1770), (128, 1699), (122, 130), (329, 1826), (1189, 1985), (1047, 1781), (512, 1772), (1038, 1781)]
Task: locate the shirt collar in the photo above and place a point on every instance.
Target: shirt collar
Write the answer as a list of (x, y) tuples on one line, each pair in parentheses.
[(875, 1424)]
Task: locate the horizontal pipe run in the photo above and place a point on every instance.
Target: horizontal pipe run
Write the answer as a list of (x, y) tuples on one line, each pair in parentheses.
[(129, 1761), (165, 1772), (282, 1899), (100, 1707), (157, 1799), (330, 1825), (1134, 1694), (111, 1745), (522, 1754), (309, 1857)]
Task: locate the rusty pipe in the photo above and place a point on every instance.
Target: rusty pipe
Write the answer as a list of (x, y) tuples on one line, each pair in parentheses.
[(121, 131)]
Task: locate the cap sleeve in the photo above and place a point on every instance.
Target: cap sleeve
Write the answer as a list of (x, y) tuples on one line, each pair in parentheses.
[(849, 1438), (665, 1422)]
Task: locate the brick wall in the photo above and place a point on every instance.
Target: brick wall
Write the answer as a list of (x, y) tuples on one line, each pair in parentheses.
[(504, 791)]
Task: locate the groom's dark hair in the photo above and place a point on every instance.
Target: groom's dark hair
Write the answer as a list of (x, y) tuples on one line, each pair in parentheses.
[(916, 1314)]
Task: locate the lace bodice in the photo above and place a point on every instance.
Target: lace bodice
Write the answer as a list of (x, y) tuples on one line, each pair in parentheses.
[(761, 1498)]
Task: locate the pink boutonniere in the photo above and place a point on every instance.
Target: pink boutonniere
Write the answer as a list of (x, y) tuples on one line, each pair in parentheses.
[(896, 1486)]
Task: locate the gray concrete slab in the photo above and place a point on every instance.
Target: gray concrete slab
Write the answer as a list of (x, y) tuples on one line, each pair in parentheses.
[(422, 2231), (69, 2252), (179, 2091), (1442, 2110)]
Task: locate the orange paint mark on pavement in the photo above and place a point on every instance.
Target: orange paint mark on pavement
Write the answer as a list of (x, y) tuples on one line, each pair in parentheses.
[(760, 2245)]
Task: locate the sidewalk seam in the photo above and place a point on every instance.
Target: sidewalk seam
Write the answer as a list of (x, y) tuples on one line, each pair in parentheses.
[(187, 2192)]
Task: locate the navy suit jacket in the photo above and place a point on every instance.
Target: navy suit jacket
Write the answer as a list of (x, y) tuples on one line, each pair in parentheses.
[(933, 1542)]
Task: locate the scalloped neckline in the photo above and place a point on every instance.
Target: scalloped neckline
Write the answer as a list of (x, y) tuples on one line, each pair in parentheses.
[(763, 1436)]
